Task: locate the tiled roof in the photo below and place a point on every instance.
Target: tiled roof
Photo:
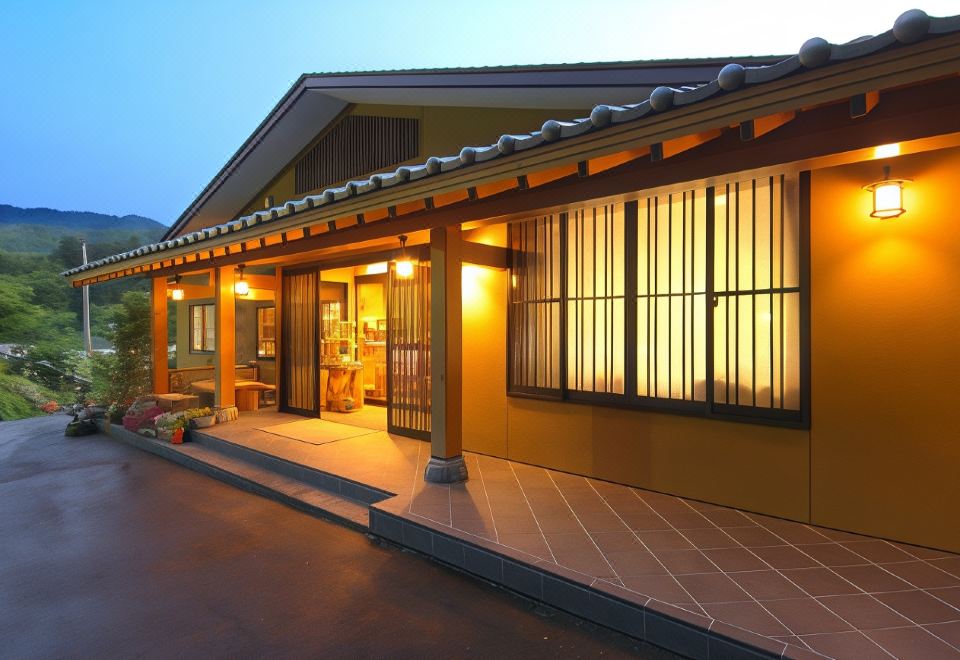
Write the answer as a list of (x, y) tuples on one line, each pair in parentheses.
[(910, 27)]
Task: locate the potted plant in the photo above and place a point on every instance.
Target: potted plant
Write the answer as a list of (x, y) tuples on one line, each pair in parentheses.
[(178, 430), (166, 424), (201, 418)]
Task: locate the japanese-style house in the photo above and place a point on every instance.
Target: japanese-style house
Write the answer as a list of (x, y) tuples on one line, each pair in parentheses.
[(735, 282)]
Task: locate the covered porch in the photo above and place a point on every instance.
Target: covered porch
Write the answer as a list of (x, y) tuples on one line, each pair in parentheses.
[(697, 572)]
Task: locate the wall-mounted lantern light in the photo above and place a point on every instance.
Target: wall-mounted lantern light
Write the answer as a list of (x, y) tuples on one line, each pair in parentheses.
[(177, 292), (887, 196), (241, 287), (404, 265)]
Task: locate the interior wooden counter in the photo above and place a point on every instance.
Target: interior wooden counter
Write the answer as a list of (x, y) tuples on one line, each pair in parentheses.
[(340, 382)]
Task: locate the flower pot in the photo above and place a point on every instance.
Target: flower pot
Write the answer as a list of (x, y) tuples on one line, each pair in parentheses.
[(204, 422), (165, 434), (177, 437)]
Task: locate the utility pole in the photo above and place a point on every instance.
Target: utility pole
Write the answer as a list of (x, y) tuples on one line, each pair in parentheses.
[(87, 339)]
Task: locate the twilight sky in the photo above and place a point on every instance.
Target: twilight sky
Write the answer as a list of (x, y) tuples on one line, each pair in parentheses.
[(132, 107)]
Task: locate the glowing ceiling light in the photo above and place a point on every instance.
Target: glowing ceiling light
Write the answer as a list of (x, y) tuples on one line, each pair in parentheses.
[(887, 150)]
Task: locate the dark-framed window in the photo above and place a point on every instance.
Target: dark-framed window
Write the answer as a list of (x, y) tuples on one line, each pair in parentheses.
[(266, 332), (534, 314), (594, 295), (202, 329), (693, 300)]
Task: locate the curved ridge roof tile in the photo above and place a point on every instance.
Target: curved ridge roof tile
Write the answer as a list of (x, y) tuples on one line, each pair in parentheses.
[(911, 26)]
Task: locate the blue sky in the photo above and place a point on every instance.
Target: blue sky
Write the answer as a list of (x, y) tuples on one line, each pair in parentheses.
[(132, 107)]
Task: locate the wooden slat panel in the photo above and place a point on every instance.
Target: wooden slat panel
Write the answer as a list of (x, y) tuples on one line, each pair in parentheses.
[(408, 329), (299, 342), (357, 145)]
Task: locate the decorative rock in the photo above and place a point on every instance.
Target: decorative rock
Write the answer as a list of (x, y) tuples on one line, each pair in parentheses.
[(403, 173), (506, 144), (911, 26), (601, 116), (550, 130), (661, 99), (731, 77), (815, 52), (433, 165), (468, 155)]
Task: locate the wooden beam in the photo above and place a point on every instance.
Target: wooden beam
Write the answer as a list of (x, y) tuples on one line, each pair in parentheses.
[(542, 177), (482, 254), (603, 163), (158, 335), (677, 146), (862, 104), (257, 281), (755, 128), (197, 291)]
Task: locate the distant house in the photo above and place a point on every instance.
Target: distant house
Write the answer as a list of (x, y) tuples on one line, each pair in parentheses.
[(734, 281)]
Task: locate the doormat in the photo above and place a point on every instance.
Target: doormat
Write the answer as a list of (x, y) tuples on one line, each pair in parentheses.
[(316, 431)]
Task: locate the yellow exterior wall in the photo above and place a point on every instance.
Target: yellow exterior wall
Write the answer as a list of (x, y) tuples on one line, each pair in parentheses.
[(484, 360), (758, 468), (886, 358), (283, 189)]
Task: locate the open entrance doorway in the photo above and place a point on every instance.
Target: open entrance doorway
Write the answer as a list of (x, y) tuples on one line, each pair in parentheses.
[(355, 345)]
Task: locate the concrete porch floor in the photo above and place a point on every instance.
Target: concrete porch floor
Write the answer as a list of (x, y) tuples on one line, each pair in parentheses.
[(780, 587)]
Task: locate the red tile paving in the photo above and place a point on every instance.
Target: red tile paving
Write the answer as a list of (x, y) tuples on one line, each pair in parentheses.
[(822, 592)]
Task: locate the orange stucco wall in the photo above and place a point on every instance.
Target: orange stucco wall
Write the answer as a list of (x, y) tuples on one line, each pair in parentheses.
[(882, 456), (886, 353)]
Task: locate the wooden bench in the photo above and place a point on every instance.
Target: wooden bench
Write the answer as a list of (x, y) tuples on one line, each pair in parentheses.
[(179, 380), (247, 391)]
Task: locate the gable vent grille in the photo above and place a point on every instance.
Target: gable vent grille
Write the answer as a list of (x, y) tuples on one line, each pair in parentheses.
[(357, 145)]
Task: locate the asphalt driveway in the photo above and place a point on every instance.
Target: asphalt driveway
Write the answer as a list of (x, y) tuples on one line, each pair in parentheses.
[(107, 551)]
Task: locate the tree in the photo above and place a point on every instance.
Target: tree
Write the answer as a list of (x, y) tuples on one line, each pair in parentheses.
[(22, 321), (123, 376)]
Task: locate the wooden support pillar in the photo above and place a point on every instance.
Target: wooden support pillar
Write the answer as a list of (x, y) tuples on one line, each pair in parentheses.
[(278, 330), (225, 354), (446, 463), (158, 334)]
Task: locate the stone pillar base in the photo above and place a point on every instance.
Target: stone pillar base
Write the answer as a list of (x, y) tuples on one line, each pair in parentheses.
[(446, 470)]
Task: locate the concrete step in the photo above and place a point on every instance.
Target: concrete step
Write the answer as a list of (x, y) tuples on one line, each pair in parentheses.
[(232, 466), (317, 478)]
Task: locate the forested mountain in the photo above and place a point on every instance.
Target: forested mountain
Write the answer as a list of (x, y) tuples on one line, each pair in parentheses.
[(40, 229), (38, 308)]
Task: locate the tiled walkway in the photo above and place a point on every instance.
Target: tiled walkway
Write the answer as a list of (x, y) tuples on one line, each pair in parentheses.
[(804, 588)]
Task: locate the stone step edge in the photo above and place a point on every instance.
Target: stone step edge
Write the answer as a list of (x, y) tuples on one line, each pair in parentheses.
[(316, 477), (658, 623), (172, 453)]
